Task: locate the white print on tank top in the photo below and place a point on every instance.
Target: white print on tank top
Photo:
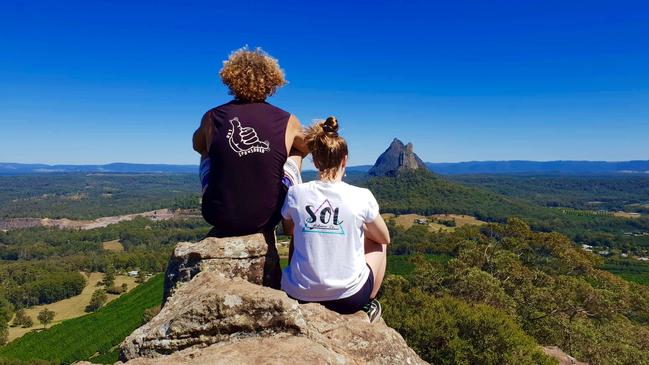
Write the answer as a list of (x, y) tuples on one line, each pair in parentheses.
[(244, 140)]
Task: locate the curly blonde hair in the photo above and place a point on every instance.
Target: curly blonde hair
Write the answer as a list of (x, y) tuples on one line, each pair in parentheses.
[(252, 75)]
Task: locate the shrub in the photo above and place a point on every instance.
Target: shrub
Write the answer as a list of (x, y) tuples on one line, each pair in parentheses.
[(46, 317), (115, 290), (20, 319), (450, 331)]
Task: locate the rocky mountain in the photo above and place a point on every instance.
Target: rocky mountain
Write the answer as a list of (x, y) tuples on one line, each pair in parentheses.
[(540, 167), (396, 159), (217, 312)]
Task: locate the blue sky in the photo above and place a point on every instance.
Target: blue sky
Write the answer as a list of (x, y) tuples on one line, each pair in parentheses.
[(106, 81)]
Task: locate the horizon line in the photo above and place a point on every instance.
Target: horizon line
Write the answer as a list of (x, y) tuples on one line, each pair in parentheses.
[(362, 164)]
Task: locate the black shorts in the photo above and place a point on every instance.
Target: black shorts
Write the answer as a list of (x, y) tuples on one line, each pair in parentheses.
[(353, 303)]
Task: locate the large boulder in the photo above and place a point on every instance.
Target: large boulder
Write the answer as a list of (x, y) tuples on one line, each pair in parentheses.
[(253, 257), (231, 317), (217, 312)]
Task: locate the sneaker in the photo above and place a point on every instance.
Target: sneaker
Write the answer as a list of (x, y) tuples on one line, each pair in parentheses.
[(373, 310)]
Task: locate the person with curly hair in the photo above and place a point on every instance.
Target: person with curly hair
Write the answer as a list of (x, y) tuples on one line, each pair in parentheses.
[(251, 151)]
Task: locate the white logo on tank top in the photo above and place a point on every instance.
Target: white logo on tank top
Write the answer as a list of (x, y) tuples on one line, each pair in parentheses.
[(244, 140)]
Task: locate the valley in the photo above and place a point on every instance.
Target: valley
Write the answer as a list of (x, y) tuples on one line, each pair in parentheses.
[(472, 243), (65, 223), (72, 307)]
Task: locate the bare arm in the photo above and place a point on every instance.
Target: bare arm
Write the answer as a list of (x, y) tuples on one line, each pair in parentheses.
[(199, 142), (377, 231), (295, 137), (202, 136)]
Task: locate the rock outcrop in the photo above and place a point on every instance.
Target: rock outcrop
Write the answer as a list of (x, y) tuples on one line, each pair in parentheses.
[(217, 313), (397, 158), (561, 357), (252, 257)]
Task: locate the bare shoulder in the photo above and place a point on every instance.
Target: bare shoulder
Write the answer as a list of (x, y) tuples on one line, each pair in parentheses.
[(294, 123)]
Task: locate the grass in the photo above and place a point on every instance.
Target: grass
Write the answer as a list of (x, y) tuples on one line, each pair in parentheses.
[(114, 245), (96, 334), (71, 307), (402, 265), (629, 269), (406, 221)]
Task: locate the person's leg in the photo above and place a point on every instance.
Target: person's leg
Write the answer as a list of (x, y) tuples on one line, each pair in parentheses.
[(204, 172), (292, 176), (272, 276), (376, 257)]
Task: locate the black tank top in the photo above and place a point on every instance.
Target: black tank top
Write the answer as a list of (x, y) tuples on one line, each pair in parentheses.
[(245, 191)]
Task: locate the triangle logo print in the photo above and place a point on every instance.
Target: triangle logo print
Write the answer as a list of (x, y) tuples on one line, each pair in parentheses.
[(324, 219)]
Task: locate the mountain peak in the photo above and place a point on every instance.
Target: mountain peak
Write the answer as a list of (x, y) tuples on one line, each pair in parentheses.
[(397, 158)]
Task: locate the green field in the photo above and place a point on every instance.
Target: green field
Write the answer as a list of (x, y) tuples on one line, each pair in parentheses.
[(95, 334), (629, 269)]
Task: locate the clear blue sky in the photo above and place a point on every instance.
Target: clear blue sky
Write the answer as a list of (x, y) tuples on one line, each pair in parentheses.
[(106, 81)]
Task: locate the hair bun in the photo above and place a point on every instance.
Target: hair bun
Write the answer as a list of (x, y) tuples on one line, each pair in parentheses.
[(330, 126)]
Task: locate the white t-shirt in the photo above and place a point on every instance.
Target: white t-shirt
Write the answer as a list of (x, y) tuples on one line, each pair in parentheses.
[(328, 260)]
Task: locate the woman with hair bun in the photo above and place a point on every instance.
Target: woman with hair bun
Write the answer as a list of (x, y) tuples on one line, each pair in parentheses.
[(338, 255)]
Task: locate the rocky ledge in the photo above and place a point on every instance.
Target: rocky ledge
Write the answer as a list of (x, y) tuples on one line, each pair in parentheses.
[(217, 313)]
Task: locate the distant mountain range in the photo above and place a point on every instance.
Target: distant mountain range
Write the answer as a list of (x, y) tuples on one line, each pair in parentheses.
[(530, 167), (22, 169), (454, 168), (548, 167)]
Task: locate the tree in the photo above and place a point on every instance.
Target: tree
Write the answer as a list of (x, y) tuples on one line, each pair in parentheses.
[(447, 330), (4, 332), (109, 277), (99, 298), (141, 277), (6, 310), (27, 322), (46, 317), (20, 318), (124, 288)]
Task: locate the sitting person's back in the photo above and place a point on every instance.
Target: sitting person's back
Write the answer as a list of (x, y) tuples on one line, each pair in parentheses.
[(244, 189), (244, 145), (338, 255), (328, 260)]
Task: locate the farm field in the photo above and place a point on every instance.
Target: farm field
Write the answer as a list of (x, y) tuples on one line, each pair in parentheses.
[(629, 269), (93, 336), (114, 245), (406, 221), (627, 215), (71, 307)]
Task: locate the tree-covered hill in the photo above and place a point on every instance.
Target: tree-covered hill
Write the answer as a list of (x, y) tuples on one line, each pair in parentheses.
[(426, 193), (628, 192), (507, 287)]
